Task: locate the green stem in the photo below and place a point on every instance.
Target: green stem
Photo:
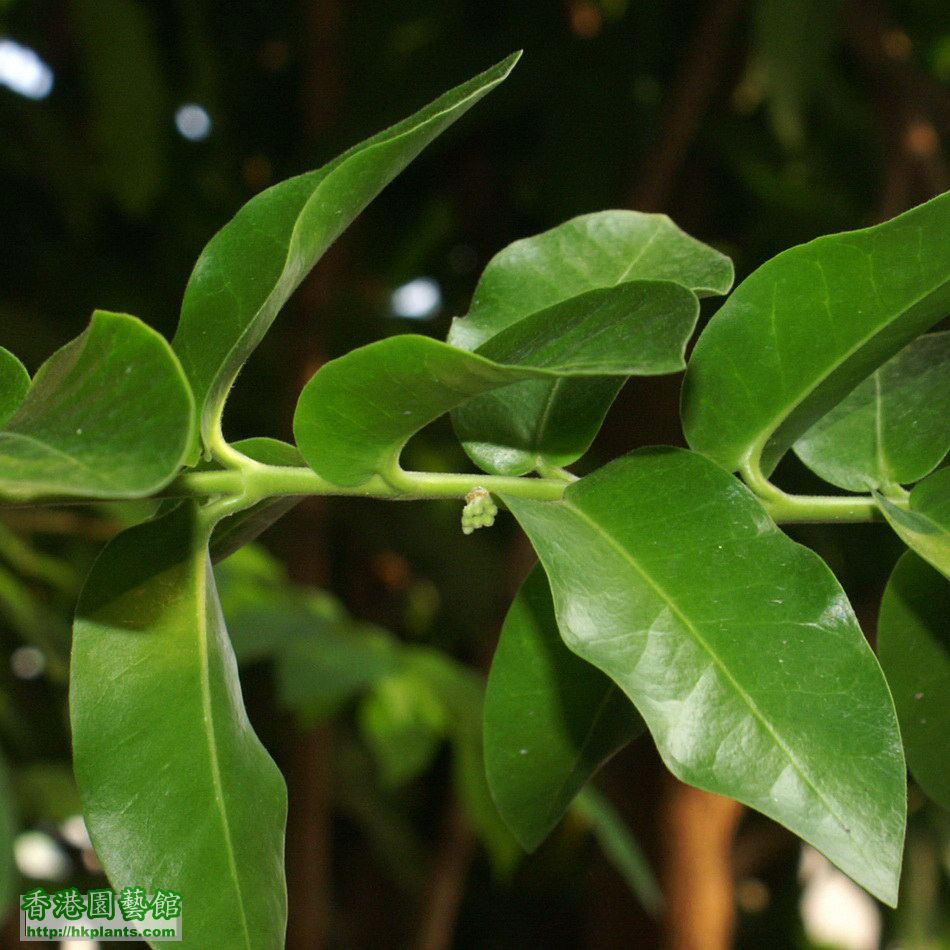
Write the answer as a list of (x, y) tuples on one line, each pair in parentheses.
[(269, 481), (234, 489), (553, 471), (805, 509)]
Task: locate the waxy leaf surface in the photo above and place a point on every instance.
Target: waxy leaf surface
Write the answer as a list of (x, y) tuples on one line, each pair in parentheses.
[(109, 415), (925, 526), (252, 266), (553, 422), (14, 382), (890, 430), (913, 644), (358, 411), (551, 719), (737, 646), (803, 330), (177, 789)]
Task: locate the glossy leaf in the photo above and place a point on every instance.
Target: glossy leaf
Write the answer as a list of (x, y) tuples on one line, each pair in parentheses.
[(892, 429), (551, 719), (358, 411), (14, 382), (252, 266), (553, 422), (925, 525), (804, 329), (177, 790), (913, 643), (738, 647), (109, 415), (233, 533)]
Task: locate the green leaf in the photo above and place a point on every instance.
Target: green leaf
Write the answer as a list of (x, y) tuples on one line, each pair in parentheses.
[(793, 44), (323, 657), (804, 329), (260, 607), (233, 533), (551, 719), (177, 789), (460, 693), (117, 39), (46, 791), (619, 845), (14, 382), (9, 826), (328, 665), (403, 723), (553, 422), (109, 415), (252, 266), (892, 429), (737, 646), (913, 643), (925, 525), (358, 411)]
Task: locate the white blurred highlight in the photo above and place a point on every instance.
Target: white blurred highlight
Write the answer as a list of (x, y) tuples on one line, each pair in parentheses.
[(835, 911), (193, 122), (418, 299), (38, 856), (22, 71)]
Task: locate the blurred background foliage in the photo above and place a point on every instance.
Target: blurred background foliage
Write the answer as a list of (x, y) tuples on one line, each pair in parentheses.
[(130, 131)]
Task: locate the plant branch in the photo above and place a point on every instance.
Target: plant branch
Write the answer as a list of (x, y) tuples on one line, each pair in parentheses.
[(263, 481), (694, 85), (804, 509), (234, 490), (553, 471), (269, 481), (446, 886)]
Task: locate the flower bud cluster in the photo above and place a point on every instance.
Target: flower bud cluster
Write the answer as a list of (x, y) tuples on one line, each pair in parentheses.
[(479, 511)]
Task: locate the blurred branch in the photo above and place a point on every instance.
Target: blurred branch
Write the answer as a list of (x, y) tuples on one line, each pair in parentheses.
[(309, 853), (308, 838), (59, 522), (910, 108), (443, 894), (35, 564), (322, 78), (699, 831), (692, 90)]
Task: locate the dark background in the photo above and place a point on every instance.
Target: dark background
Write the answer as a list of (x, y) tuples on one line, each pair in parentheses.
[(755, 125)]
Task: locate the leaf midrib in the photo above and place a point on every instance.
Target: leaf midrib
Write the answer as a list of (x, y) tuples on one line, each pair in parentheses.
[(880, 453), (292, 242), (98, 474), (199, 565), (555, 810), (775, 423), (701, 641)]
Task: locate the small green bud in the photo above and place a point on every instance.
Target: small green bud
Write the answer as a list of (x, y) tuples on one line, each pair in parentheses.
[(479, 511)]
